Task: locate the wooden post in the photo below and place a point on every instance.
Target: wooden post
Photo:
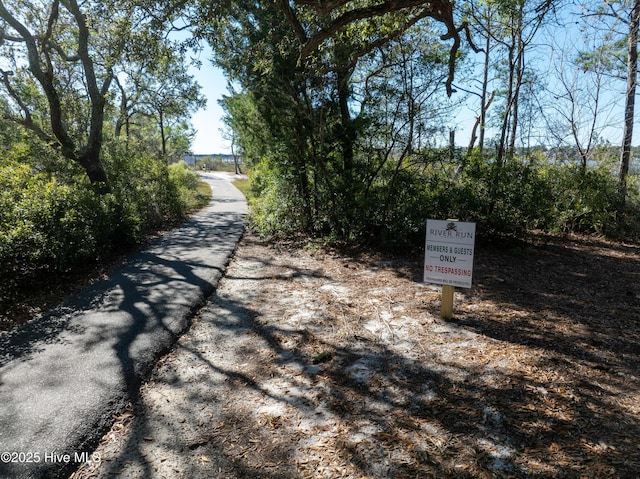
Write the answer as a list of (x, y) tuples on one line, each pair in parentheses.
[(446, 302), (446, 298)]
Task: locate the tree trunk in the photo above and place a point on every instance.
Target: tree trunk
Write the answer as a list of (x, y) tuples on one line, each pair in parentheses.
[(516, 102), (483, 101), (41, 65), (162, 133), (92, 165), (507, 112), (479, 123), (236, 158), (452, 145), (519, 75), (347, 133), (632, 74)]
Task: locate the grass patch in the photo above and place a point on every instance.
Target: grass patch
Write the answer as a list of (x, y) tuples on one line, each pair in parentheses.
[(203, 194), (244, 185)]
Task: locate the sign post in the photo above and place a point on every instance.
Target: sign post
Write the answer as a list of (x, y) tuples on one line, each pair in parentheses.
[(446, 302), (448, 258)]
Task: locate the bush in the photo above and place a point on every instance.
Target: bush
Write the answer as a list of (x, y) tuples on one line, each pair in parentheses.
[(51, 224), (505, 201), (388, 205), (275, 206), (586, 199), (44, 225), (184, 182), (146, 193)]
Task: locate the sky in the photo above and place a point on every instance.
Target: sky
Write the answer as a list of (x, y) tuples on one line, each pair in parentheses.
[(208, 121)]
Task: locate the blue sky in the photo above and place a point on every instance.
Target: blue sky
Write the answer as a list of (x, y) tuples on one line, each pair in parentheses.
[(208, 121)]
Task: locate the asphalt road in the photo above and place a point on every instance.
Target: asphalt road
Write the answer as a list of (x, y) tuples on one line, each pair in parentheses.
[(63, 377)]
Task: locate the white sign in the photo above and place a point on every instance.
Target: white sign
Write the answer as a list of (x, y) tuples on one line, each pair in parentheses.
[(448, 255)]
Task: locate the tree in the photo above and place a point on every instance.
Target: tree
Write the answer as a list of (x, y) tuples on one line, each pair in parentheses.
[(254, 44), (400, 91), (483, 26), (623, 62), (577, 111), (169, 94), (229, 134), (630, 99), (308, 109), (69, 65), (507, 29), (520, 23), (63, 59), (333, 16)]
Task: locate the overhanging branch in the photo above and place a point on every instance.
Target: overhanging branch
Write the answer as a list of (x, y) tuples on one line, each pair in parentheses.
[(26, 120), (439, 10)]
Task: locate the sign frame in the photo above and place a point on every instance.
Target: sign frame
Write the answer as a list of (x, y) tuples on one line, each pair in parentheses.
[(449, 252)]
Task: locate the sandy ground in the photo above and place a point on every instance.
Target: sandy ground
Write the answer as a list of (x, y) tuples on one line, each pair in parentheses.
[(310, 363)]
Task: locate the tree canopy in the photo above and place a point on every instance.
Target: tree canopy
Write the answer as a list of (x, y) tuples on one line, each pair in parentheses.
[(347, 110), (64, 65), (95, 99)]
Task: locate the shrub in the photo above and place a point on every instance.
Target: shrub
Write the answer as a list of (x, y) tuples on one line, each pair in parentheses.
[(44, 225), (184, 182), (586, 198), (51, 224), (275, 206), (146, 193), (388, 205)]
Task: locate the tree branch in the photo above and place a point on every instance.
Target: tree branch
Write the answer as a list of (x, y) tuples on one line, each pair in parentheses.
[(32, 48), (386, 39), (45, 78), (323, 7), (354, 15), (9, 38), (27, 119), (440, 10), (67, 58), (293, 20)]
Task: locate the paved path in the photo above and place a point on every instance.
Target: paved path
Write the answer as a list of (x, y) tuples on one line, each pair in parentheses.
[(62, 378)]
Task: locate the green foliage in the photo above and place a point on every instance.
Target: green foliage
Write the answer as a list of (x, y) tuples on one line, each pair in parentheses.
[(524, 195), (586, 199), (343, 142), (45, 226), (185, 183), (275, 207), (510, 200), (50, 224), (146, 193)]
